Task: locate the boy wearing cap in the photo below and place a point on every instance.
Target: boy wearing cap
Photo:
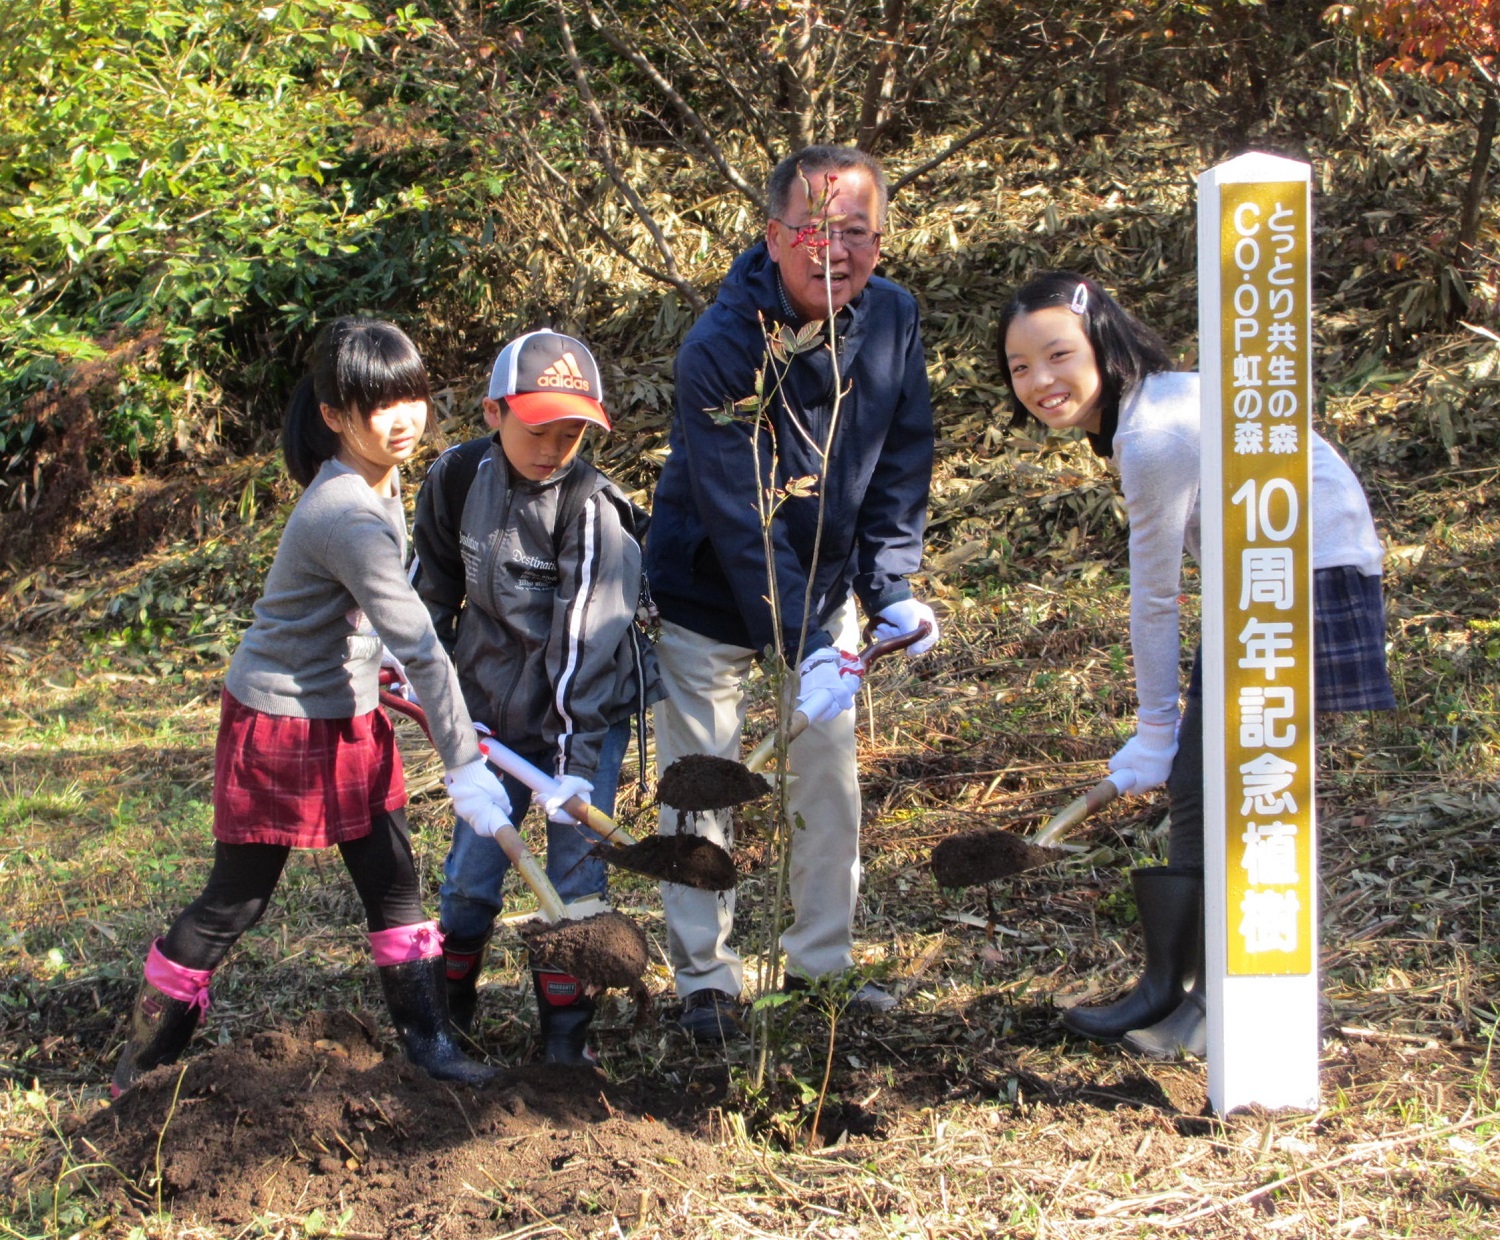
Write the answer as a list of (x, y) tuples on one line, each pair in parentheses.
[(529, 562)]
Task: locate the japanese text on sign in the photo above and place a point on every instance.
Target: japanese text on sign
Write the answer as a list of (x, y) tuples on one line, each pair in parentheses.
[(1267, 442)]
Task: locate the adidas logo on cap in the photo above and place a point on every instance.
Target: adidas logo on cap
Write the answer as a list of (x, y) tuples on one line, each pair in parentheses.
[(565, 374)]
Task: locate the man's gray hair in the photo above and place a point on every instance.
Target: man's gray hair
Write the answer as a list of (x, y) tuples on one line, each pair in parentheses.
[(815, 159)]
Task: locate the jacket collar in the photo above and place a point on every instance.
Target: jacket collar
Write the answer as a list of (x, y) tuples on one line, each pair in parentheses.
[(753, 289)]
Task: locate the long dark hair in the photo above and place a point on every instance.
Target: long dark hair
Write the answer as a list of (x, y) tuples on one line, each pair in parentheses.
[(355, 366), (1125, 349)]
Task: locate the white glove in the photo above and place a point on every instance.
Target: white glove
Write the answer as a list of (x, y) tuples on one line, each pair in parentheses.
[(568, 787), (829, 683), (1148, 755), (403, 683), (903, 617), (478, 797)]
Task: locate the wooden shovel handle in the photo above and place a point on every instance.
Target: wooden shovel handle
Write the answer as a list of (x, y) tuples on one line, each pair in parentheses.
[(509, 839), (761, 754), (1091, 802)]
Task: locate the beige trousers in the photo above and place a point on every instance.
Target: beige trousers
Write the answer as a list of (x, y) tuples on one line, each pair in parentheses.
[(704, 712)]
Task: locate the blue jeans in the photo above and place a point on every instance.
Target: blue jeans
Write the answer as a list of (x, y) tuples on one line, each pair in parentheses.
[(475, 870)]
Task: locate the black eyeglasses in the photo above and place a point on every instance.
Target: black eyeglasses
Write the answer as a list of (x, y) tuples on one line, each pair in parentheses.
[(853, 238)]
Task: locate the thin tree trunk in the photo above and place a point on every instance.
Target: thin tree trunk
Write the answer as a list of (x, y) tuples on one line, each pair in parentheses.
[(1468, 229)]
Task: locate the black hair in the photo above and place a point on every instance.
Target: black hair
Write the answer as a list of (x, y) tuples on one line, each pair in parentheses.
[(814, 159), (355, 366), (1125, 349)]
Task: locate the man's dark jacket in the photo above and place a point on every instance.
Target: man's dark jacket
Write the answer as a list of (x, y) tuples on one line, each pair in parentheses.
[(705, 556)]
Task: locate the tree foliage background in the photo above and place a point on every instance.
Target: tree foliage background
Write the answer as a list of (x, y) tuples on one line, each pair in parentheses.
[(186, 190)]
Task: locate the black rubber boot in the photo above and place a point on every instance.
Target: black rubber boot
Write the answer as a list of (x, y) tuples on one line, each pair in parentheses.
[(1184, 1030), (565, 1013), (160, 1029), (463, 960), (417, 995), (1170, 902)]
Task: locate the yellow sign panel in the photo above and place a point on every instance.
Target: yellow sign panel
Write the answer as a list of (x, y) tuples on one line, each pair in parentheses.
[(1268, 638)]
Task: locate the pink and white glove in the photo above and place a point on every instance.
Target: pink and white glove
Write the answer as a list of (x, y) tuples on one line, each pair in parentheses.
[(1148, 755), (829, 683), (478, 797), (903, 617), (568, 787)]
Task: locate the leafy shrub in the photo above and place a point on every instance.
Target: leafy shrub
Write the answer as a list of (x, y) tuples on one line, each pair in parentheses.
[(186, 170)]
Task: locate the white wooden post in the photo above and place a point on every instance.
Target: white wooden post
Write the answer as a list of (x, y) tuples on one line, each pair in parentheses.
[(1260, 845)]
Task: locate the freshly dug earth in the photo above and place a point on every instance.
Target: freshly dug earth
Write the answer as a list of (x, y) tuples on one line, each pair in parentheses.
[(684, 858), (607, 950), (698, 782), (321, 1119), (973, 858)]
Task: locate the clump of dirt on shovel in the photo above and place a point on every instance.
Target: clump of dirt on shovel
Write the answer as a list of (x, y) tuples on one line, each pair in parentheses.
[(700, 781), (606, 950), (973, 858), (683, 858)]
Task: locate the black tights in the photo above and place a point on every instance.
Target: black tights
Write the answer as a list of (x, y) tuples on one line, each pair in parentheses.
[(244, 876), (1185, 790)]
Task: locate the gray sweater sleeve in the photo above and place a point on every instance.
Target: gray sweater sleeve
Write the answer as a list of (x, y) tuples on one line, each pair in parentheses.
[(336, 590), (1156, 449)]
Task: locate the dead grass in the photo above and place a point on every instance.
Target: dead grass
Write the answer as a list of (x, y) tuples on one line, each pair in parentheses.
[(970, 1114)]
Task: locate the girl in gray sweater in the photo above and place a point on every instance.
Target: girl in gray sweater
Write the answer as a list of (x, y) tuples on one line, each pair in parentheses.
[(304, 758), (1073, 357)]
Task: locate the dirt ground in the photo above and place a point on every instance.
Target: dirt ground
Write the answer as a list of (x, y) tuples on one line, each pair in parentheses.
[(321, 1118), (957, 1119)]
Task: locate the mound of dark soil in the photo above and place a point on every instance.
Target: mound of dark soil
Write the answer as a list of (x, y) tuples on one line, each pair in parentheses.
[(321, 1118), (687, 859), (606, 950)]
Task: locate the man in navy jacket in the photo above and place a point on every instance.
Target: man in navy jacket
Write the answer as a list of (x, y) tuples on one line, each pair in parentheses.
[(706, 553)]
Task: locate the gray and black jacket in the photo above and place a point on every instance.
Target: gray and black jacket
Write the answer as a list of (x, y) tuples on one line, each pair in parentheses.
[(539, 619)]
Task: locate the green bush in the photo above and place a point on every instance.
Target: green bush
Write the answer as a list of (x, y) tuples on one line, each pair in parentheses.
[(191, 170)]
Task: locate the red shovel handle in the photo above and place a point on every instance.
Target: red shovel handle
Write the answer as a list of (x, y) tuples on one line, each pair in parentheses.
[(901, 641), (401, 705), (600, 823)]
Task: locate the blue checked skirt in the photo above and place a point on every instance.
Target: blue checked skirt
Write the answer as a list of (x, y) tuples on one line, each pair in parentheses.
[(1348, 644)]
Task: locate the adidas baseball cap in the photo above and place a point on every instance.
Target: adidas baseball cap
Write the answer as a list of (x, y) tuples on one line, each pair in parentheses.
[(544, 376)]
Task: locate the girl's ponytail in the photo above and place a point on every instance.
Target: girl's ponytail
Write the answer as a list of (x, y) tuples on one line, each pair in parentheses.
[(306, 440)]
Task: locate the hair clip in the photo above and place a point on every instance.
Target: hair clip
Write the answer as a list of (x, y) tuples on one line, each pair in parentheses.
[(1080, 302)]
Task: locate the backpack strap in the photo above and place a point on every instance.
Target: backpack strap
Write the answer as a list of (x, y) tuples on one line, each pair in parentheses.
[(574, 493), (458, 473)]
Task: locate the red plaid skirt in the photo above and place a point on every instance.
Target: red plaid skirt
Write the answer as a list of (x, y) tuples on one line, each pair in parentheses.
[(302, 783)]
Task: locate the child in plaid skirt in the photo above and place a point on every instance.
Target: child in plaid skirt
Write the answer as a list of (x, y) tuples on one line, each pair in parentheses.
[(1073, 357), (305, 759)]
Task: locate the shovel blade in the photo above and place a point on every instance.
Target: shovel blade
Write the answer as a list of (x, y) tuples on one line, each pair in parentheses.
[(973, 858), (687, 859)]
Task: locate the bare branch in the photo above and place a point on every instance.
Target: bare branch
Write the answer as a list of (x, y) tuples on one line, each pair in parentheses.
[(605, 146), (632, 53), (997, 118), (603, 232), (880, 85)]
